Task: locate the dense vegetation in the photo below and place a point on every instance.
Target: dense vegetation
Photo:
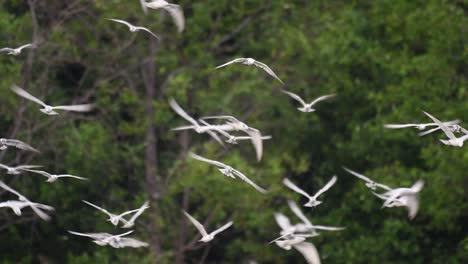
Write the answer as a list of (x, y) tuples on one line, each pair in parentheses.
[(386, 60)]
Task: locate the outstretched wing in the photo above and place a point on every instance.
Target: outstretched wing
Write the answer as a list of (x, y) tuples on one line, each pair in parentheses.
[(72, 176), (25, 46), (238, 60), (293, 187), (197, 224), (6, 50), (97, 207), (139, 212), (121, 21), (221, 229), (200, 158), (176, 107), (327, 186), (20, 144), (247, 180), (97, 236), (283, 221), (268, 70), (149, 31), (298, 212), (321, 98), (75, 108), (294, 96), (130, 242), (177, 15), (444, 128), (21, 92), (308, 251), (43, 173)]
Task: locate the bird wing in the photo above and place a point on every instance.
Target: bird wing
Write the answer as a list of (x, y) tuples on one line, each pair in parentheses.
[(417, 186), (428, 131), (9, 189), (72, 176), (21, 92), (177, 15), (121, 21), (293, 187), (283, 222), (76, 108), (43, 173), (327, 186), (238, 60), (139, 212), (128, 212), (22, 167), (37, 209), (200, 158), (268, 70), (298, 212), (308, 251), (294, 96), (6, 50), (99, 208), (25, 46), (97, 236), (399, 125), (360, 176), (221, 229), (444, 128), (257, 142), (149, 31), (130, 242), (20, 144), (4, 166), (213, 134), (412, 203), (197, 224), (321, 98), (143, 6), (328, 228), (247, 180), (176, 107)]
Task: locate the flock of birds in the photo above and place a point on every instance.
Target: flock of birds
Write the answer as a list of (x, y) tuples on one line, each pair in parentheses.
[(221, 129)]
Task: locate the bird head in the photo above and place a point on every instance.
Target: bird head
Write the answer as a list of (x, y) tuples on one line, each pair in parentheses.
[(48, 111)]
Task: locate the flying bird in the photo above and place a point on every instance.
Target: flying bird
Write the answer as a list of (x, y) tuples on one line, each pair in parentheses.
[(174, 10), (307, 107), (131, 222), (5, 143), (228, 171), (411, 202), (453, 140), (312, 199), (132, 27), (54, 177), (113, 218), (250, 61), (306, 225), (205, 236), (419, 126), (369, 183), (18, 169), (396, 193), (16, 51), (49, 110), (116, 241)]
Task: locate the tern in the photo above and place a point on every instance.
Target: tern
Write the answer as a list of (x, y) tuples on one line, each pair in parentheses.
[(228, 171), (205, 236), (312, 199), (176, 107), (33, 206), (133, 28), (54, 177), (411, 202), (402, 192), (49, 110), (16, 51), (307, 107), (16, 206), (175, 11), (306, 225), (250, 61), (454, 128), (369, 183), (453, 140), (419, 126), (113, 218), (5, 143), (131, 222), (116, 241), (18, 169)]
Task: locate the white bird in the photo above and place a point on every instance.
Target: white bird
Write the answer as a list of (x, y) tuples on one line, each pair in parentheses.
[(131, 222), (174, 10), (205, 236), (133, 28), (308, 251), (312, 199), (288, 231), (453, 140), (369, 183), (454, 128), (17, 206), (54, 177), (307, 107), (49, 110), (176, 107), (18, 169), (16, 51), (403, 191), (411, 202), (113, 218), (306, 225), (419, 126), (22, 198), (250, 61), (288, 243), (116, 241), (228, 171), (5, 143)]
